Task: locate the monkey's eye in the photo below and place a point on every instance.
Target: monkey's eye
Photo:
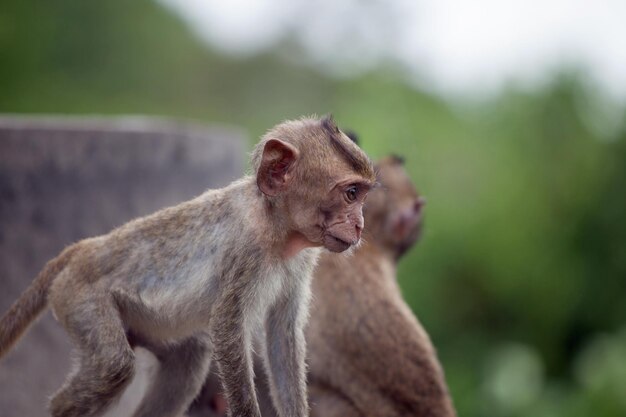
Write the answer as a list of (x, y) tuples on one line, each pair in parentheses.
[(351, 193)]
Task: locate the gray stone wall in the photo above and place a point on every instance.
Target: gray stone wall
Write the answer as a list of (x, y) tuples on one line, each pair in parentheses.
[(64, 179)]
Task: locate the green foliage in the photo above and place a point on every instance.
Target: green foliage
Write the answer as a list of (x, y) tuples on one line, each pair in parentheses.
[(520, 275)]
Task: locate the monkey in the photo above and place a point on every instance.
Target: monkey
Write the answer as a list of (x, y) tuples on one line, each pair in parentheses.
[(368, 354), (203, 280)]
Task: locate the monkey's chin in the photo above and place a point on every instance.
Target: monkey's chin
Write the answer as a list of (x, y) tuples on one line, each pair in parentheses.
[(334, 244)]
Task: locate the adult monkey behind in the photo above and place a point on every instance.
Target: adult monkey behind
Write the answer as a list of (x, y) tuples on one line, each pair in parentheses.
[(200, 280), (368, 354)]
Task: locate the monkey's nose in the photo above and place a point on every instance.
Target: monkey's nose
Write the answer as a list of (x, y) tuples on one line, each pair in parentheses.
[(358, 228)]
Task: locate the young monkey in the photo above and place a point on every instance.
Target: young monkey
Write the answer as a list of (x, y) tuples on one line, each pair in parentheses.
[(201, 280), (368, 354)]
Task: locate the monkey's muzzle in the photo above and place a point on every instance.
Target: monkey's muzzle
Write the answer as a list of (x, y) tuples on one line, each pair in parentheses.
[(335, 244)]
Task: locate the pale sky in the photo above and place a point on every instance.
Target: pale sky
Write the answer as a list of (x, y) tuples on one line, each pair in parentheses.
[(452, 47)]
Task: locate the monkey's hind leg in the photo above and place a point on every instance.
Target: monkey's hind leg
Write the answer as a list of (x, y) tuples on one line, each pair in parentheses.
[(106, 361), (183, 369)]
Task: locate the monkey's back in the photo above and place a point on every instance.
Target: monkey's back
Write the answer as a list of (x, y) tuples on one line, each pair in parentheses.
[(366, 344), (160, 268)]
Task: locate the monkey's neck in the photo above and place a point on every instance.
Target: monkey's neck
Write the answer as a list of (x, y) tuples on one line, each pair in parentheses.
[(295, 243)]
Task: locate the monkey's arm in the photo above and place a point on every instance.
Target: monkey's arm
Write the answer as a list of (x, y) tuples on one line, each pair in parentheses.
[(231, 340), (285, 352)]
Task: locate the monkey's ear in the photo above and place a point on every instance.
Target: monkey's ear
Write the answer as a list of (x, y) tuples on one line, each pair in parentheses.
[(275, 171)]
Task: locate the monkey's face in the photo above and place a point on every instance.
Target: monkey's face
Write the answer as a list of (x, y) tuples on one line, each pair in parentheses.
[(394, 212), (320, 179), (332, 217), (341, 215)]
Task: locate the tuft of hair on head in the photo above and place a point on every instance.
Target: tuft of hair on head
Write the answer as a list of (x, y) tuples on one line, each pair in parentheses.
[(329, 125), (355, 157)]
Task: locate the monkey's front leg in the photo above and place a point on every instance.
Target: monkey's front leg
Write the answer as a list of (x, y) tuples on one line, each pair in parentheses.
[(285, 354), (233, 350)]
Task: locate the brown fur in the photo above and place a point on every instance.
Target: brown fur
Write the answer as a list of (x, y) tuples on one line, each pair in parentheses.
[(368, 354), (32, 303), (201, 280)]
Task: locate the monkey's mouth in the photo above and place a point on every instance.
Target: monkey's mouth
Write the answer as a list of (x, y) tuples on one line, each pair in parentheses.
[(335, 244)]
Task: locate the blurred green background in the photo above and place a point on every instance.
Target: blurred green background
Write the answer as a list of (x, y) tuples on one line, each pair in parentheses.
[(520, 277)]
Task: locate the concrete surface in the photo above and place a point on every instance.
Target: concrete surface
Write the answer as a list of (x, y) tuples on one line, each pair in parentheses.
[(64, 179)]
